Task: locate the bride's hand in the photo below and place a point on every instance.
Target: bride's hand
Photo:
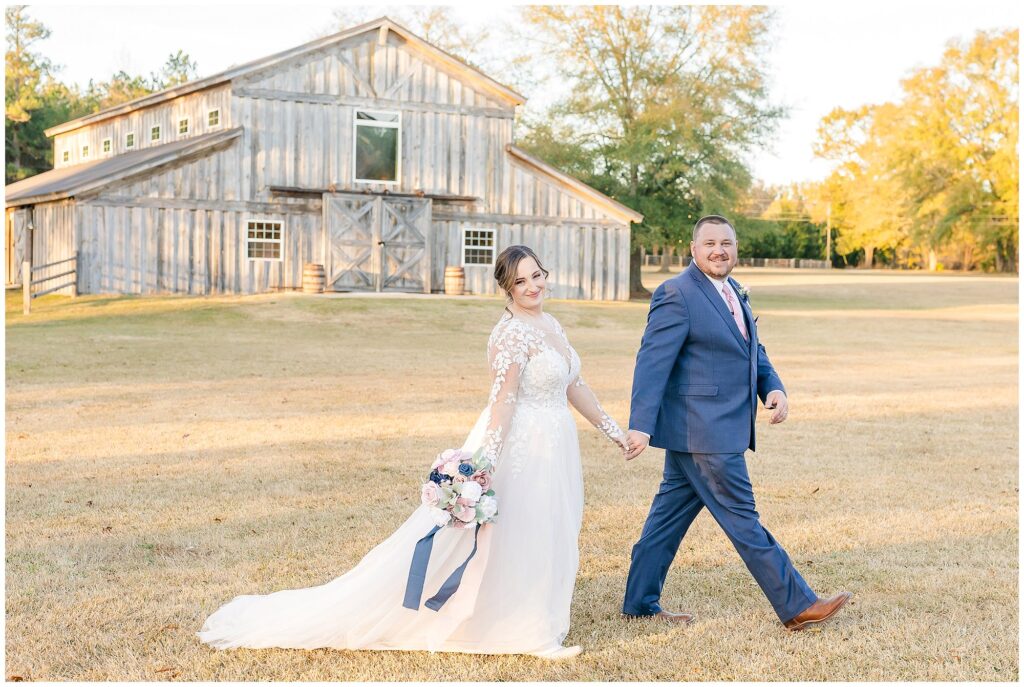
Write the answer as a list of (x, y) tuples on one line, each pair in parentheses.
[(621, 440)]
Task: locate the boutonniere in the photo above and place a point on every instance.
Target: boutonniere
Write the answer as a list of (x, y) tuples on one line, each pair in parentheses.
[(743, 291)]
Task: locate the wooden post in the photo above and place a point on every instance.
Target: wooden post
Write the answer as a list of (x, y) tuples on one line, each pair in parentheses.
[(74, 282), (26, 287)]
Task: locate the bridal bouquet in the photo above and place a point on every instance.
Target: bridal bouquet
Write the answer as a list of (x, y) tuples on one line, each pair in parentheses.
[(459, 489)]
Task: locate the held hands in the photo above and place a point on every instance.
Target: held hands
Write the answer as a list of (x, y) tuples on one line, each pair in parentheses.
[(777, 401), (636, 442)]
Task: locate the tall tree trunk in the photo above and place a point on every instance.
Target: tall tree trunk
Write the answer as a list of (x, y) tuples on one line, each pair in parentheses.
[(636, 282), (933, 260), (666, 258), (869, 257), (636, 285)]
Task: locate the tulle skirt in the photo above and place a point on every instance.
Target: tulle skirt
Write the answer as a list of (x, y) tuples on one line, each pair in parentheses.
[(515, 594)]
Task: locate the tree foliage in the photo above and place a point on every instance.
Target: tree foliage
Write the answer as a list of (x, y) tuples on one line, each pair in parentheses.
[(665, 103), (36, 100), (937, 171)]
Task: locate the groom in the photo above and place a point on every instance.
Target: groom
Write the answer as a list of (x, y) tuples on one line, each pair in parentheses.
[(699, 372)]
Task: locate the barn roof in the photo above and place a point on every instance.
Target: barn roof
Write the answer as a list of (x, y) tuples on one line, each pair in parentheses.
[(383, 25), (65, 182), (594, 196)]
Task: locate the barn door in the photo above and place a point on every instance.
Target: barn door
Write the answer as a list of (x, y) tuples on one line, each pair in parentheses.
[(374, 243), (350, 234), (405, 258)]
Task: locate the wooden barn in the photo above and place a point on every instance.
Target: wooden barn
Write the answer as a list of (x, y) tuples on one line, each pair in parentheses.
[(369, 151)]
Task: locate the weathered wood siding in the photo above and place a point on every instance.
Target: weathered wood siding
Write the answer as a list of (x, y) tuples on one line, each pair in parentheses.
[(299, 122), (139, 249), (14, 252), (193, 105), (53, 239)]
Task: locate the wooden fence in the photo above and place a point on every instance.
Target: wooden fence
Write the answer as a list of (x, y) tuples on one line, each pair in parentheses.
[(28, 282)]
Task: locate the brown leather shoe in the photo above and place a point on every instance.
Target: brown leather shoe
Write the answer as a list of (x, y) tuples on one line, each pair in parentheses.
[(820, 611), (682, 618)]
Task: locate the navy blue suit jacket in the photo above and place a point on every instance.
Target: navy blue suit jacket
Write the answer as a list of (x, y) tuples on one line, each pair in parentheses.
[(696, 381)]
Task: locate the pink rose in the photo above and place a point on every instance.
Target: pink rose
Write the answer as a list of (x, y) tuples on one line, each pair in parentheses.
[(483, 478), (465, 513), (451, 468), (431, 494), (459, 479), (465, 502)]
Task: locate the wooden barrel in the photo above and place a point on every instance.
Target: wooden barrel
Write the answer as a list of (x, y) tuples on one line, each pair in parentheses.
[(313, 278), (454, 281)]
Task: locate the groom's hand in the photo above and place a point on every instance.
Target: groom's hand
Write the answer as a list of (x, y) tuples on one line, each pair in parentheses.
[(637, 442), (777, 400)]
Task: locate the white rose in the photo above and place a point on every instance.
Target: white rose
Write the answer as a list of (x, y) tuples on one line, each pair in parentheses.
[(471, 491), (441, 517), (487, 506)]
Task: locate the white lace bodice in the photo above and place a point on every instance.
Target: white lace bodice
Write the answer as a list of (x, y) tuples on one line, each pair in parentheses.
[(532, 369)]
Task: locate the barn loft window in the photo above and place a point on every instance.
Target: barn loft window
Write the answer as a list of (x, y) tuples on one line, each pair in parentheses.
[(477, 247), (66, 156), (129, 140), (263, 240), (183, 126), (106, 146), (154, 133), (85, 152), (213, 118), (377, 144)]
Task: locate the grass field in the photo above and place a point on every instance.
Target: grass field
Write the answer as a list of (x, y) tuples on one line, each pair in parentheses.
[(166, 453)]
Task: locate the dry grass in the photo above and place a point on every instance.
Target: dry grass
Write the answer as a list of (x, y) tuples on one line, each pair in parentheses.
[(165, 454)]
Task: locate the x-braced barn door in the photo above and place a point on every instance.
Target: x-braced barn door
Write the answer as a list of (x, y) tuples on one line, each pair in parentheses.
[(375, 243)]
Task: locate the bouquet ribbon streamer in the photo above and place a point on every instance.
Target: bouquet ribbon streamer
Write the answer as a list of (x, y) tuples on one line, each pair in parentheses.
[(418, 574)]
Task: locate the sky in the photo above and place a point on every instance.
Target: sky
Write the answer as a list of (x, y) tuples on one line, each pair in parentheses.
[(824, 55)]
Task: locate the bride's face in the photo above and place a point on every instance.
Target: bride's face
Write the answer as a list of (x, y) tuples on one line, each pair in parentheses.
[(528, 288)]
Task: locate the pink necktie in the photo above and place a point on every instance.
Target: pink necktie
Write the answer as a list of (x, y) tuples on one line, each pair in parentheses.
[(736, 314)]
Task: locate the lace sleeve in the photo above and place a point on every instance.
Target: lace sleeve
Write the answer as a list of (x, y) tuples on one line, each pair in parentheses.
[(584, 400), (507, 354)]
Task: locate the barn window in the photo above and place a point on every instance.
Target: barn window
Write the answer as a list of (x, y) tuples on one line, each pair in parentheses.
[(129, 140), (213, 118), (263, 240), (154, 133), (183, 126), (66, 157), (377, 144), (477, 247), (85, 152), (106, 145)]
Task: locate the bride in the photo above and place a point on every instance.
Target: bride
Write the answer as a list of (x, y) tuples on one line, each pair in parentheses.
[(516, 591)]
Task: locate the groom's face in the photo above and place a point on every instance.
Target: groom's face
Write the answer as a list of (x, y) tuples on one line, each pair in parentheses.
[(714, 251)]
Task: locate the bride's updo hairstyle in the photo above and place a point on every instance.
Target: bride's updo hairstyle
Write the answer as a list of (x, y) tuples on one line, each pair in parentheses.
[(506, 266)]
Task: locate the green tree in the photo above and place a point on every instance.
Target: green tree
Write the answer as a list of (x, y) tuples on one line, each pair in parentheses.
[(26, 74), (665, 103)]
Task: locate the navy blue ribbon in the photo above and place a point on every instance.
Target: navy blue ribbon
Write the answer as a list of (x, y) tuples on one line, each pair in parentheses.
[(418, 570), (418, 574), (451, 585)]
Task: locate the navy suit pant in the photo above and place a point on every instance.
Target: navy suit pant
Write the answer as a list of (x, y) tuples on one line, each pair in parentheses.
[(720, 482)]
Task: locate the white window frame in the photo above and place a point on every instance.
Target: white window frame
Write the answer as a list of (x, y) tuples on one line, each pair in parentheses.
[(85, 151), (389, 125), (493, 247), (188, 126), (159, 133), (104, 143), (220, 120), (278, 241), (127, 145), (65, 156)]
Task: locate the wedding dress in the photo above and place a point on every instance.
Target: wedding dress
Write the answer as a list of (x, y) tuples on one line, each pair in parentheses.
[(516, 592)]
